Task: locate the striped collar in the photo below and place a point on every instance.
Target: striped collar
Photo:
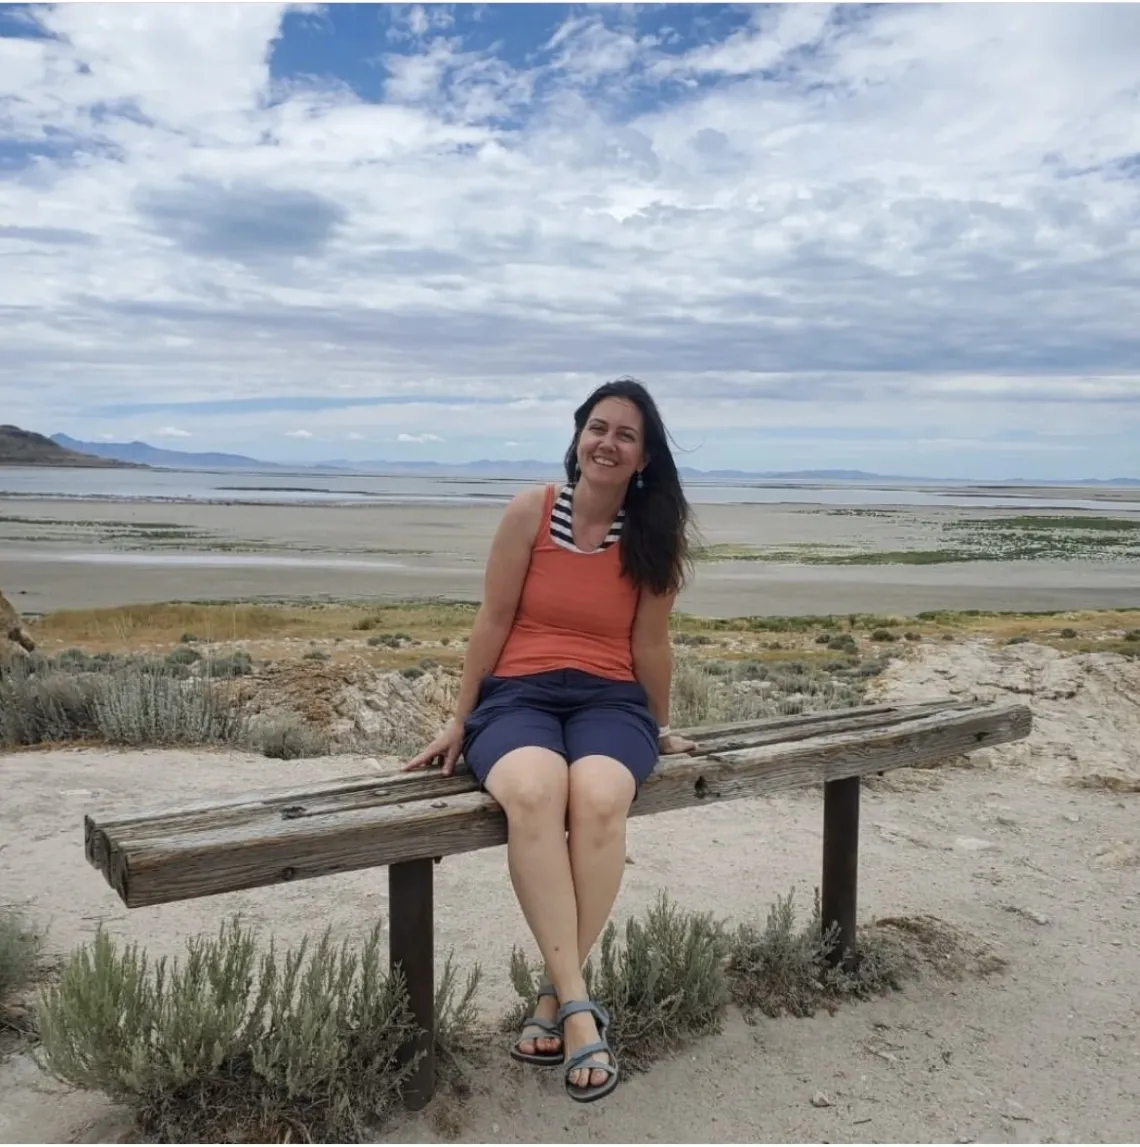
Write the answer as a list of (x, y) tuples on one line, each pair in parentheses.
[(561, 527)]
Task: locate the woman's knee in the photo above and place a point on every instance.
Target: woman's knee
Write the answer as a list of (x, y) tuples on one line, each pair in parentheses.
[(530, 784), (601, 791)]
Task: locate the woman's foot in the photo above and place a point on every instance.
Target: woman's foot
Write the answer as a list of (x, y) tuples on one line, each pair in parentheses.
[(579, 1030), (535, 1040)]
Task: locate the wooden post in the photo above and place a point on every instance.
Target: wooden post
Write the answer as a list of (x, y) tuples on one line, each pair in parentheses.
[(841, 862), (411, 941)]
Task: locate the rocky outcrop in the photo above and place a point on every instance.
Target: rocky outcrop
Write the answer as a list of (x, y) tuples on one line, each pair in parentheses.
[(14, 639), (392, 713), (1086, 706)]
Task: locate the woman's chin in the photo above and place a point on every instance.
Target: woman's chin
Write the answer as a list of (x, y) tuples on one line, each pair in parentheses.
[(607, 475)]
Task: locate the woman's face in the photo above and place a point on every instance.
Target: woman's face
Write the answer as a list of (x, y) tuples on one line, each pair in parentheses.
[(611, 448)]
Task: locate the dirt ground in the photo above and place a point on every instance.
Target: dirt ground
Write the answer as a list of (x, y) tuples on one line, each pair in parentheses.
[(1033, 850)]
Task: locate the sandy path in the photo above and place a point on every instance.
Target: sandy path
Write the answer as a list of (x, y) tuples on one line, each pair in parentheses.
[(1049, 1050)]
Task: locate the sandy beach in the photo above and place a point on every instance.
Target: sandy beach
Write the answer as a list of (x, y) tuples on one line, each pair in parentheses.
[(61, 554)]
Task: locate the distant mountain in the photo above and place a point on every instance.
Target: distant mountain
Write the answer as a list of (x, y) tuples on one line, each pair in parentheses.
[(142, 452), (26, 448), (519, 469)]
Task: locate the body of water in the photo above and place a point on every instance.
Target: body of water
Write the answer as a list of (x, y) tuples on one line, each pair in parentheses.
[(340, 488)]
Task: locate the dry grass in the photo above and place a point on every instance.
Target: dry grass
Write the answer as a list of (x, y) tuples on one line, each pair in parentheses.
[(160, 625), (289, 629)]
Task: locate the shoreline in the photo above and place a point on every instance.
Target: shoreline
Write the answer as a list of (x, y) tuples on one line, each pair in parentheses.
[(94, 552)]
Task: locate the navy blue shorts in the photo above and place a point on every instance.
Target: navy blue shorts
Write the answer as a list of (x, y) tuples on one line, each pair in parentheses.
[(569, 712)]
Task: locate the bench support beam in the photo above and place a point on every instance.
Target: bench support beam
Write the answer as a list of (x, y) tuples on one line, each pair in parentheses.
[(839, 894), (411, 941)]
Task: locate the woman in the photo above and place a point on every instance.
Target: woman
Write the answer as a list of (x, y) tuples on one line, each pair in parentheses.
[(564, 704)]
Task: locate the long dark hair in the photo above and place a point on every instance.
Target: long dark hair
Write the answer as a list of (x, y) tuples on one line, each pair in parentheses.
[(655, 536)]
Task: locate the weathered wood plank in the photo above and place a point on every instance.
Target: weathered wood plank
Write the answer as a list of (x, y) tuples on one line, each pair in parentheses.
[(370, 790), (204, 860)]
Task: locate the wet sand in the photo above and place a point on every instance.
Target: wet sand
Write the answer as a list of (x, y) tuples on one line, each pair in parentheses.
[(63, 560)]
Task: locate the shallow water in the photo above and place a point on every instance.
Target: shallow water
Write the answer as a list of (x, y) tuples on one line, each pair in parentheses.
[(321, 487), (278, 561)]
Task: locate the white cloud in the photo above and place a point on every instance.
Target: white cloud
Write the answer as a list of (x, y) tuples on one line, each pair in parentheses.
[(916, 219), (172, 432)]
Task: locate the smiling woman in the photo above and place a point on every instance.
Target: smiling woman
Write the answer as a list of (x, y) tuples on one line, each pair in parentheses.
[(564, 706)]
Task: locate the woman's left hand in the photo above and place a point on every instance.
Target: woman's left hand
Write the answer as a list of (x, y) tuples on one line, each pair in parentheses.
[(673, 743)]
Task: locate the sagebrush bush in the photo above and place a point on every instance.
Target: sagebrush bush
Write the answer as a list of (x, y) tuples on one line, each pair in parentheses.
[(709, 692), (229, 1045), (133, 701), (662, 986), (785, 968), (20, 947), (457, 1025), (288, 737)]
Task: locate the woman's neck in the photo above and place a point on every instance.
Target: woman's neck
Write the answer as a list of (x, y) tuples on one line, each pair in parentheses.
[(596, 507)]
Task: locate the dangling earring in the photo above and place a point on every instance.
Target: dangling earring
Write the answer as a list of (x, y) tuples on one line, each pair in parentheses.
[(640, 481)]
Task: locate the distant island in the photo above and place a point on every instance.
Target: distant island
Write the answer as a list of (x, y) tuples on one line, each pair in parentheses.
[(26, 448)]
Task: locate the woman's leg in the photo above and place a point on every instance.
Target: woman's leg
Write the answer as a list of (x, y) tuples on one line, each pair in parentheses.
[(601, 791), (532, 785)]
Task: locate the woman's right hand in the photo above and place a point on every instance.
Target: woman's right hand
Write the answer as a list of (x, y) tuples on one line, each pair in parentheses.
[(445, 747)]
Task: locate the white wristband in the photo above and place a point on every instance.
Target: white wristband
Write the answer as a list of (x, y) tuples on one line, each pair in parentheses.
[(663, 731)]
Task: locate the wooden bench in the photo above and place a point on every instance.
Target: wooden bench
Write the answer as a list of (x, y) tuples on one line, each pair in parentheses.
[(408, 821)]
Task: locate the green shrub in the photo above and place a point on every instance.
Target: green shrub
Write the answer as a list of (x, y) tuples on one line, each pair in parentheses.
[(314, 655), (133, 702), (227, 1045), (456, 1025), (1068, 631), (664, 986), (783, 968), (289, 737), (883, 635), (222, 665), (141, 706), (183, 656), (20, 947), (843, 643), (72, 659)]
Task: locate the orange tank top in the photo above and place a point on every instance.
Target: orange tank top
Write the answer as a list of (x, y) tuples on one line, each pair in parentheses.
[(576, 611)]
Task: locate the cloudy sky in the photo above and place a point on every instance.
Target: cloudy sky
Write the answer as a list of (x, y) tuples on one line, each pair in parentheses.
[(898, 238)]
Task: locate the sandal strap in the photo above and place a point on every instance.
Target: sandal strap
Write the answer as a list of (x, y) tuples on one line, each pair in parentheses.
[(573, 1007), (585, 1051), (551, 1028), (592, 1065), (546, 988)]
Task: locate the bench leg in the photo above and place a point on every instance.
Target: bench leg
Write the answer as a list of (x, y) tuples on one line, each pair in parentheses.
[(841, 862), (410, 947)]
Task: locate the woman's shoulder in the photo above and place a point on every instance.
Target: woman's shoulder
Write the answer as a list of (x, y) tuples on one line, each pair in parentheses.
[(525, 509)]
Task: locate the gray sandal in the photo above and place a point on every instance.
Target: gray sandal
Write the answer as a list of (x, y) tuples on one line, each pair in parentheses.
[(581, 1059), (550, 1029)]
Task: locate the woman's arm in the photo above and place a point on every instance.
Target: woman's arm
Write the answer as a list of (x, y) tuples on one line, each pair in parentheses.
[(503, 580), (653, 651), (653, 662)]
